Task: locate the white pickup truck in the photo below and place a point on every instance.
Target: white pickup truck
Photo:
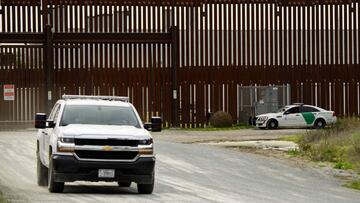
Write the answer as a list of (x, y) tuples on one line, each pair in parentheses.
[(94, 138)]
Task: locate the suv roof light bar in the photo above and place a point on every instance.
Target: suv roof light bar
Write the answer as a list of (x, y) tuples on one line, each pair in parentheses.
[(110, 98)]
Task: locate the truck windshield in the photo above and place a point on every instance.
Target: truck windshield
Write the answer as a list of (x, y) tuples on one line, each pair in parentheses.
[(99, 115)]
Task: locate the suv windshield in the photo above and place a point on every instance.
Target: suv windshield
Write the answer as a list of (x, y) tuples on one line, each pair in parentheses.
[(99, 115)]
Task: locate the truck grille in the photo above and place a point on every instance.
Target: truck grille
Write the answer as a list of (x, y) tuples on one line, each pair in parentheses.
[(108, 155), (107, 142)]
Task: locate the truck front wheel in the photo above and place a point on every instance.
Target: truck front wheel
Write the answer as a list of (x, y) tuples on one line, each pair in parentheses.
[(42, 172), (146, 188), (54, 186)]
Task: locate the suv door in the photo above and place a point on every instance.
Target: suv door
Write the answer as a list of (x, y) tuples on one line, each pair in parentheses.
[(47, 132), (292, 117)]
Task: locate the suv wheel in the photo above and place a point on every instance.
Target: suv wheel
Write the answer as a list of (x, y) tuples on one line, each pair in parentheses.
[(42, 172), (272, 124), (319, 123), (54, 186), (146, 188), (124, 184)]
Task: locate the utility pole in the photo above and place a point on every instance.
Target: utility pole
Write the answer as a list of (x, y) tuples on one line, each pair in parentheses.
[(48, 69), (174, 68)]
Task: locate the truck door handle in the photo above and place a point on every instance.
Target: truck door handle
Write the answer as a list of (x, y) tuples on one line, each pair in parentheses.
[(297, 115)]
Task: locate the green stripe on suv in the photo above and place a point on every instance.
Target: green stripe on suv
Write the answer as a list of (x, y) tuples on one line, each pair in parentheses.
[(309, 117)]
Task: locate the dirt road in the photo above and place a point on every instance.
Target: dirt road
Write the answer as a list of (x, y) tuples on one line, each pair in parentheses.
[(184, 173)]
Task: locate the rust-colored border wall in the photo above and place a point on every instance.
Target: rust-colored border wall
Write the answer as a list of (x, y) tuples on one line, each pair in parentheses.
[(313, 46)]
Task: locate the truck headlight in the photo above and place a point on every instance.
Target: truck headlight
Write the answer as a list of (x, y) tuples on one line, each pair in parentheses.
[(146, 142), (146, 151), (146, 147), (66, 144), (66, 139)]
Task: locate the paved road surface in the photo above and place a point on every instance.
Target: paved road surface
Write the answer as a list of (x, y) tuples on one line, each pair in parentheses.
[(184, 173)]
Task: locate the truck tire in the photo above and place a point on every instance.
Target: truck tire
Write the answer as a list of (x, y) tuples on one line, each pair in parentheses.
[(42, 172), (146, 188), (53, 186), (124, 184)]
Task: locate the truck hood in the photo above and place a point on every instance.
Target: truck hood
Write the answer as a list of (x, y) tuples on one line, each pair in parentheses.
[(104, 131)]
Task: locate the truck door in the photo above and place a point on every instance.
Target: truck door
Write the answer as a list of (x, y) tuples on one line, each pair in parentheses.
[(48, 132)]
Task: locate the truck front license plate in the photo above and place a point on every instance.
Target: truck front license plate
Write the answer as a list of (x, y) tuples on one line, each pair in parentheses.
[(106, 173)]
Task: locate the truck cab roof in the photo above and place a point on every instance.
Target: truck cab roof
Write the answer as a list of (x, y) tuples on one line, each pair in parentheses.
[(95, 102)]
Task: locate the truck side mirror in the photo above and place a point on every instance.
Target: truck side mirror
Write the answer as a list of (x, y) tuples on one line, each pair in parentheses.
[(156, 124), (51, 124), (147, 126), (40, 120)]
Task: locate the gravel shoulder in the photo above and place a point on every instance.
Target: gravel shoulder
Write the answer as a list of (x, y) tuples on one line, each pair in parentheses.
[(183, 136)]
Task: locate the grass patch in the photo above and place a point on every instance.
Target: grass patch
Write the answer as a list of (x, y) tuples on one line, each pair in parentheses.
[(339, 144), (2, 198), (210, 128), (293, 152), (343, 165), (354, 185), (292, 138)]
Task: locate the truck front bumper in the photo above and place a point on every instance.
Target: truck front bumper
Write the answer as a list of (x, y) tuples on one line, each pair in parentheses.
[(70, 169)]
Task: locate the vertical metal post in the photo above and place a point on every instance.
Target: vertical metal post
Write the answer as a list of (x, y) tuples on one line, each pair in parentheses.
[(44, 12), (174, 67), (48, 69)]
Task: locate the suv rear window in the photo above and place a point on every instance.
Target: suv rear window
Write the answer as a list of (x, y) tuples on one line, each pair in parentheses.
[(308, 109), (99, 115)]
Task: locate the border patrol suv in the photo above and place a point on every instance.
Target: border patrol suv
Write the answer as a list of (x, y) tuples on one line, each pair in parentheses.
[(94, 138), (296, 115)]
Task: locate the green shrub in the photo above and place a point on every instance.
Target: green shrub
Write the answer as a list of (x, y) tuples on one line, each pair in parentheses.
[(293, 152), (355, 141), (221, 119), (328, 151), (344, 125), (322, 153), (312, 136), (343, 165), (339, 144)]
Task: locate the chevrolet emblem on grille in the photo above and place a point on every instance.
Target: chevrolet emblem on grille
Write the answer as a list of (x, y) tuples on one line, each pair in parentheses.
[(107, 148)]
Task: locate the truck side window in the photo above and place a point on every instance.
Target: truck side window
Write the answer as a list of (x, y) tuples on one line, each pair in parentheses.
[(54, 112)]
